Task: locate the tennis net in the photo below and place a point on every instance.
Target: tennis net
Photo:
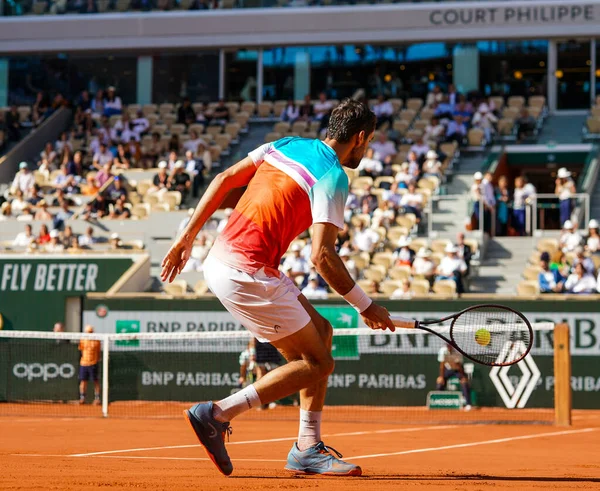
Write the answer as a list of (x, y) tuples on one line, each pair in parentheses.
[(384, 376)]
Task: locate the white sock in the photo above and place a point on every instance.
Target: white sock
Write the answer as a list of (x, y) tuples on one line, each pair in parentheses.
[(228, 408), (309, 433)]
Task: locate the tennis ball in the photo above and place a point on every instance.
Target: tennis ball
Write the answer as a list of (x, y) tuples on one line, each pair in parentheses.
[(483, 337)]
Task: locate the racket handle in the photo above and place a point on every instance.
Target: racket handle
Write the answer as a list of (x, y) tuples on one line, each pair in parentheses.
[(400, 321)]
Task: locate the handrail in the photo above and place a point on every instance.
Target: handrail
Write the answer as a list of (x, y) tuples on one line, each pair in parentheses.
[(584, 196)]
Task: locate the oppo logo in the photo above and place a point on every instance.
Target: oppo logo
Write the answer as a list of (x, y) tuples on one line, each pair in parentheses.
[(45, 371)]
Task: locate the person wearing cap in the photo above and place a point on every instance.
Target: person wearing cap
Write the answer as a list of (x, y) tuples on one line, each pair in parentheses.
[(180, 180), (432, 166), (295, 265), (452, 267), (522, 196), (55, 244), (112, 102), (423, 266), (593, 240), (349, 263), (569, 238), (412, 202), (42, 212), (160, 181), (485, 120), (564, 189), (24, 179), (313, 290), (115, 241), (549, 280), (403, 255), (580, 281)]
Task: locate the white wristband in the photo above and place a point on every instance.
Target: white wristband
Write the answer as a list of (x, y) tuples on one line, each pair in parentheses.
[(358, 299)]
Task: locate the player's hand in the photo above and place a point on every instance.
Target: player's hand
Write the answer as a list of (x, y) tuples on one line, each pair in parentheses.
[(439, 380), (377, 317), (175, 260)]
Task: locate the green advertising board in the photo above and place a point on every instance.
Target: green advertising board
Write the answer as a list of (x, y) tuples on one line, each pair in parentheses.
[(342, 317), (34, 289)]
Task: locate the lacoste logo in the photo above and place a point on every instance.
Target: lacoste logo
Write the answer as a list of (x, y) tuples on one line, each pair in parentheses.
[(276, 327), (213, 431)]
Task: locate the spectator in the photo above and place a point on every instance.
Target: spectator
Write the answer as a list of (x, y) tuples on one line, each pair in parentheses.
[(502, 211), (73, 245), (404, 176), (365, 239), (461, 109), (564, 189), (420, 149), (90, 188), (140, 125), (412, 201), (349, 263), (483, 190), (43, 235), (67, 236), (432, 167), (223, 222), (191, 145), (370, 166), (119, 211), (290, 112), (434, 96), (5, 211), (384, 111), (112, 103), (24, 179), (593, 240), (203, 154), (63, 143), (560, 263), (75, 166), (185, 113), (122, 159), (204, 115), (423, 266), (383, 215), (42, 213), (385, 150), (87, 240), (180, 180), (12, 120), (88, 366), (195, 169), (451, 365), (521, 197), (588, 263), (55, 244), (63, 214), (464, 250), (306, 109), (403, 292), (323, 107), (18, 203), (485, 120), (403, 255), (160, 181), (525, 125), (104, 175), (23, 239), (456, 130), (569, 238), (452, 267), (60, 180), (97, 208), (220, 114), (201, 247), (115, 242), (34, 195), (313, 290), (174, 145), (122, 131), (102, 157), (116, 192), (373, 288), (435, 132), (549, 280), (580, 281)]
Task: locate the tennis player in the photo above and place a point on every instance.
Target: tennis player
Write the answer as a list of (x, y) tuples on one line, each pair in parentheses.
[(292, 184)]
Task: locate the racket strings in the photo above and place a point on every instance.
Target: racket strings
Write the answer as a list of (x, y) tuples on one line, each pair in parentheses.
[(492, 335)]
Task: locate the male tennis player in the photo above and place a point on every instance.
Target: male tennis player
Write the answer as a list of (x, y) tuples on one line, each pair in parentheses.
[(292, 184)]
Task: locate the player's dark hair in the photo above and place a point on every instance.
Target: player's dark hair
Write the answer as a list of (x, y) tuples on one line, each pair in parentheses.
[(348, 119)]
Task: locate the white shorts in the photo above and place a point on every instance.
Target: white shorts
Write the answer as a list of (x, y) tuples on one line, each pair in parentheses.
[(265, 305)]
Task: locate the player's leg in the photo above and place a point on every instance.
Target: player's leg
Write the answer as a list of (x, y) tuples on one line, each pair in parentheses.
[(83, 376), (466, 392), (96, 385)]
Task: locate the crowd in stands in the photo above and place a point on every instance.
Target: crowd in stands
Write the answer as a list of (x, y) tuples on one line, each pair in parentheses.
[(569, 264)]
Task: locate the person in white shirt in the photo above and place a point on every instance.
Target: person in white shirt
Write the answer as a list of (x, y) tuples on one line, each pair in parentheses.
[(199, 252), (313, 290), (483, 188), (23, 239), (290, 112), (384, 110), (412, 201), (580, 281), (403, 255), (569, 238), (23, 180), (404, 176), (322, 107), (295, 264), (63, 143), (383, 215), (452, 267), (223, 222), (435, 132), (423, 265), (521, 198), (123, 131), (593, 240), (413, 164), (486, 120), (434, 96), (403, 292), (55, 245), (370, 166), (564, 189), (102, 157), (385, 150), (112, 103), (140, 124), (432, 166), (87, 240), (420, 148), (365, 239), (18, 203), (392, 195), (349, 263), (193, 142)]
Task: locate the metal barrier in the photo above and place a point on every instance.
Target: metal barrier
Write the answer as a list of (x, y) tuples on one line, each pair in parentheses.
[(583, 203), (465, 202)]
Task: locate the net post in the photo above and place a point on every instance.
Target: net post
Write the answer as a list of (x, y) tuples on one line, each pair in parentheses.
[(562, 376), (105, 358)]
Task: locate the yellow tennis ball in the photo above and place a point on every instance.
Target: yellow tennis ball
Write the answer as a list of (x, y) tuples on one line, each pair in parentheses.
[(483, 337)]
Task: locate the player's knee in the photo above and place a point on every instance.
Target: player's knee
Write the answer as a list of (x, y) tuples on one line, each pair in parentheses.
[(327, 366), (326, 331)]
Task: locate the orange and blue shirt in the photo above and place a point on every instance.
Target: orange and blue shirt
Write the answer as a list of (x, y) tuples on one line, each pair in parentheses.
[(298, 182)]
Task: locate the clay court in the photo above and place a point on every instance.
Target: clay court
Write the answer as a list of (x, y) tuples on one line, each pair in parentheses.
[(62, 453)]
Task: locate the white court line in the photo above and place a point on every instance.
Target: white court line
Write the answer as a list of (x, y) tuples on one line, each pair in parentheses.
[(270, 440), (139, 457), (474, 444)]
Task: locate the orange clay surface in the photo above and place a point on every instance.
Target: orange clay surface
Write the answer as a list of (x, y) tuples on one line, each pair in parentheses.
[(64, 453)]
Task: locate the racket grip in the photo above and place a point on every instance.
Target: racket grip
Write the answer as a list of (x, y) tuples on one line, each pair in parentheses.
[(403, 322)]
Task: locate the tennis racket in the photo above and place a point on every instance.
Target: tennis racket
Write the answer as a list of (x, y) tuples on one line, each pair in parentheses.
[(489, 334)]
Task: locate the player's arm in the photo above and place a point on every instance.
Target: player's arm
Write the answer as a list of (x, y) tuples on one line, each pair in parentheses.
[(237, 176), (332, 269)]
